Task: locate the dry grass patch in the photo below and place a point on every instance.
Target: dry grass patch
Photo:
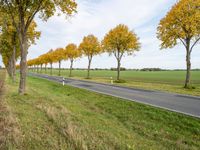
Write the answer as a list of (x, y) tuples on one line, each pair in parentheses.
[(61, 118)]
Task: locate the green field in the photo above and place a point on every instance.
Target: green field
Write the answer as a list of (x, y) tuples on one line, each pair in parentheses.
[(53, 117), (171, 81)]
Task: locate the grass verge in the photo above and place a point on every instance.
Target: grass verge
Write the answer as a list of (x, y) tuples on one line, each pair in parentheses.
[(51, 116)]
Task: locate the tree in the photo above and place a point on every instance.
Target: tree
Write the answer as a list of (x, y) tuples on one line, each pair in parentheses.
[(40, 62), (50, 59), (37, 63), (181, 25), (26, 11), (7, 56), (71, 52), (119, 41), (90, 47), (9, 43), (58, 56), (31, 64), (45, 61)]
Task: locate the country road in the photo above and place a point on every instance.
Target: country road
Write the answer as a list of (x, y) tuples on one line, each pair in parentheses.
[(189, 105)]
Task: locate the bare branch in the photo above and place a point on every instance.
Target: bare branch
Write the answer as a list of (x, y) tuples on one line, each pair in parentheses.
[(115, 54), (90, 57), (121, 55), (183, 42), (31, 17), (194, 44)]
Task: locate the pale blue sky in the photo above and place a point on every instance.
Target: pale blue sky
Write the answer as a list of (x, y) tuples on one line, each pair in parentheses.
[(98, 17)]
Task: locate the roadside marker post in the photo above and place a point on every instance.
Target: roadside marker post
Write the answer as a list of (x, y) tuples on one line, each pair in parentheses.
[(111, 80), (63, 81)]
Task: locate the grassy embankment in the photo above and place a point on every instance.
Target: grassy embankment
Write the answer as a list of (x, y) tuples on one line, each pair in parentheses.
[(170, 81), (53, 117)]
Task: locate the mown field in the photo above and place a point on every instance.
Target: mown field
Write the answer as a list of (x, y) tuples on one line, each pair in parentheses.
[(171, 81), (51, 116)]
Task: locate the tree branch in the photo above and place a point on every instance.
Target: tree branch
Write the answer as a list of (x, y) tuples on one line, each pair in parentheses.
[(90, 57), (194, 44), (183, 42), (121, 55), (12, 16), (31, 17), (115, 54)]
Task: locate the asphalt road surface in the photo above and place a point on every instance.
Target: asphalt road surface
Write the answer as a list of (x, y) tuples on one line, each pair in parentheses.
[(189, 105)]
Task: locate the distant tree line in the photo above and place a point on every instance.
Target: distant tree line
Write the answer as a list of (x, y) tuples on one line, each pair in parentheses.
[(152, 69), (126, 69)]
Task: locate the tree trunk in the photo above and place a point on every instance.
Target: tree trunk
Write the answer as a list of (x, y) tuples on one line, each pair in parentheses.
[(188, 63), (40, 68), (89, 65), (9, 67), (23, 64), (14, 64), (45, 68), (51, 68), (22, 33), (14, 58), (118, 69), (71, 66), (37, 69), (59, 68)]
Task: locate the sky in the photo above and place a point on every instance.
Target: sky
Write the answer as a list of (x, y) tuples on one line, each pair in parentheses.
[(98, 17)]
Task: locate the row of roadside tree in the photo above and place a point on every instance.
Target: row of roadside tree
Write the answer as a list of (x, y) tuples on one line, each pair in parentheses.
[(117, 42)]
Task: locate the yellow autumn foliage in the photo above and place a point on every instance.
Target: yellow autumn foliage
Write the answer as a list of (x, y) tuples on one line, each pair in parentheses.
[(71, 51), (182, 23), (90, 46), (120, 40)]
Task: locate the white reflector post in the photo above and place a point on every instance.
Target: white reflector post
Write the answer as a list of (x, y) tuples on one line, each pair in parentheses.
[(111, 80), (63, 81)]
